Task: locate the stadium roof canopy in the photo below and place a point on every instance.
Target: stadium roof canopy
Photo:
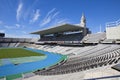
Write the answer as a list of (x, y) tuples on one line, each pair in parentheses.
[(59, 29)]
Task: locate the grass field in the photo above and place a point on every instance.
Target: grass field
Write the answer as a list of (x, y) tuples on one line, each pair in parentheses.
[(17, 52)]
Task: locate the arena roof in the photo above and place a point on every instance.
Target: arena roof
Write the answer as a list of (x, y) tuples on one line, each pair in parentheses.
[(59, 28)]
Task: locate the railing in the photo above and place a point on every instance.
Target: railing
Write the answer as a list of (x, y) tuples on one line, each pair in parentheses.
[(112, 24), (60, 42)]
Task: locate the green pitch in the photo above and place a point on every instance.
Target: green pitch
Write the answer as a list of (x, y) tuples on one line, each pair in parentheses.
[(16, 53)]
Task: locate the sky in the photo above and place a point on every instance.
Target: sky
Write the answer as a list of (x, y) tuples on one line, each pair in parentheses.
[(18, 18)]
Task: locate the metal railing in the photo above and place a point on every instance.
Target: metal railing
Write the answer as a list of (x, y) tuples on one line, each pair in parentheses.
[(113, 24)]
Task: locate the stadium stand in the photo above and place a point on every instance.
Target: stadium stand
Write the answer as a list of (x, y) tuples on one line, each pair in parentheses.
[(94, 38), (62, 33), (14, 42), (83, 58), (89, 56), (87, 61), (109, 41), (68, 37)]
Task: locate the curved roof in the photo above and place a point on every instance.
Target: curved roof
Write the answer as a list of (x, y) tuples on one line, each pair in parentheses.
[(59, 29)]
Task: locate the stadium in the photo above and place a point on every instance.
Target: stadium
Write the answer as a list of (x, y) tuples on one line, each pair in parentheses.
[(63, 52)]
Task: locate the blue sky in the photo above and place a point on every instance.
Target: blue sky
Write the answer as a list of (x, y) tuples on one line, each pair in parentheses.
[(20, 17)]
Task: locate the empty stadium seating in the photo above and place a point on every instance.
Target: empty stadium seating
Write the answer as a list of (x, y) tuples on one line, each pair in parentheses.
[(13, 42), (94, 38), (79, 58), (100, 55), (69, 37)]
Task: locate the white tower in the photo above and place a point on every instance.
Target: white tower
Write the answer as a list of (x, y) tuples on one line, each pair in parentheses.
[(83, 21), (83, 24)]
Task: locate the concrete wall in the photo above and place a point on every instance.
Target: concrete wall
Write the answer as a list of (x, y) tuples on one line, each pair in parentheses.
[(113, 32)]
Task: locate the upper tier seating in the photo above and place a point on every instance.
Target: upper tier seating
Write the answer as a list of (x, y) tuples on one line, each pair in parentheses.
[(94, 38), (15, 40), (69, 37)]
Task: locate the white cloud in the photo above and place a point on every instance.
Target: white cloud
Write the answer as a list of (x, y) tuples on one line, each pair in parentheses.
[(35, 16), (9, 27), (55, 14), (48, 18), (19, 11), (62, 21), (45, 21), (24, 32), (59, 21), (51, 11), (28, 10), (17, 25)]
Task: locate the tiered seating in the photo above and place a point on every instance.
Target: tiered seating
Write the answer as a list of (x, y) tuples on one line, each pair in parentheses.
[(15, 39), (4, 44), (109, 41), (9, 44), (84, 49), (72, 51), (27, 45), (58, 49), (92, 50), (94, 38), (12, 44), (68, 37), (109, 55)]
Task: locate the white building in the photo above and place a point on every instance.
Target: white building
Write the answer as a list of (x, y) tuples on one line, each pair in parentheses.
[(113, 30)]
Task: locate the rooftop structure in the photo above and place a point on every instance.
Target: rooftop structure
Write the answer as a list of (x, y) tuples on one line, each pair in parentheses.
[(64, 32), (59, 29)]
